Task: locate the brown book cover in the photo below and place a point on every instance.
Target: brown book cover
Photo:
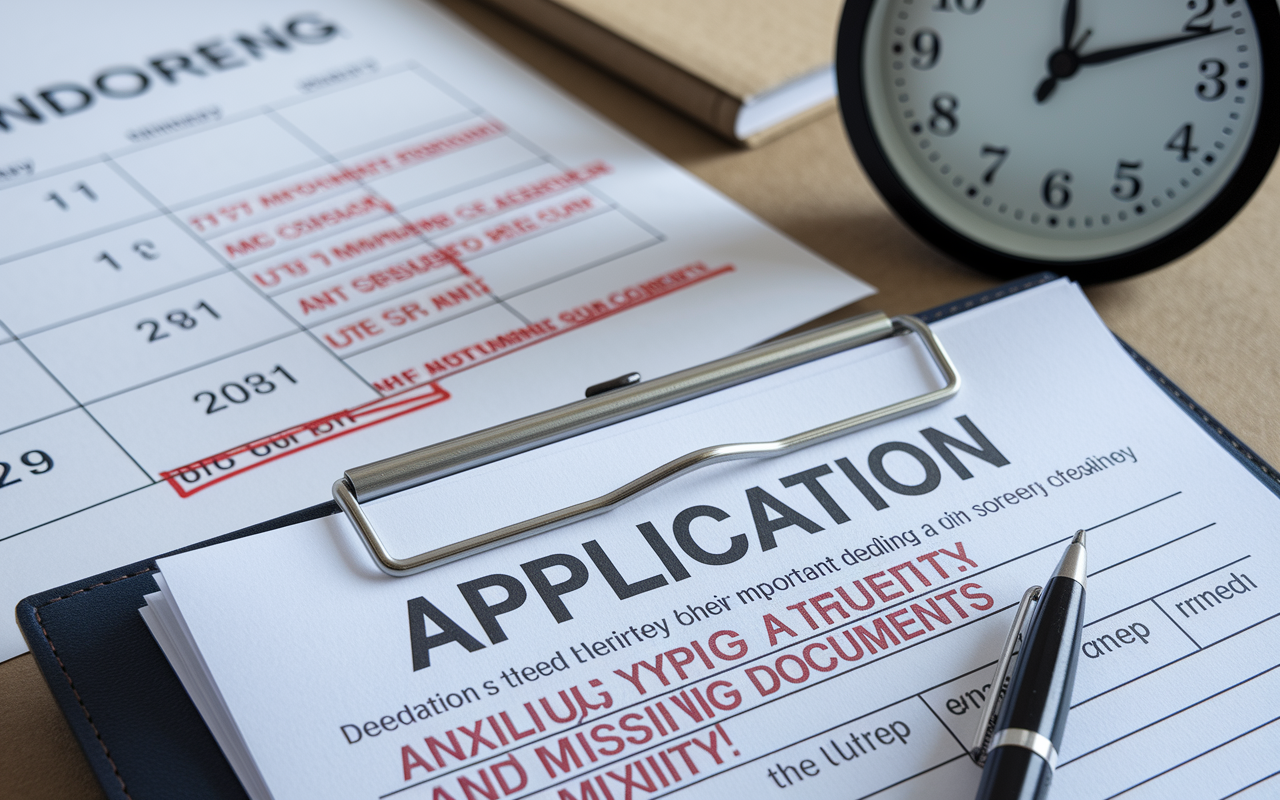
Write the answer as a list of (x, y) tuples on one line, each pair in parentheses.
[(748, 69)]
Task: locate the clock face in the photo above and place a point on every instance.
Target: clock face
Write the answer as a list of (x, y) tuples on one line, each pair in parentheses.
[(1063, 130)]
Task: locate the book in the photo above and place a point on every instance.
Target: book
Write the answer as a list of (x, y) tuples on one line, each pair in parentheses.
[(750, 70)]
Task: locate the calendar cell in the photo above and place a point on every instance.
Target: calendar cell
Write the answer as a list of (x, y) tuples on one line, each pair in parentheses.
[(157, 336), (219, 160), (65, 206), (231, 401), (347, 119), (59, 466), (28, 392), (90, 274)]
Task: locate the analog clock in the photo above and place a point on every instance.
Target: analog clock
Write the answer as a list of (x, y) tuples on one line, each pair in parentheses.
[(1096, 138)]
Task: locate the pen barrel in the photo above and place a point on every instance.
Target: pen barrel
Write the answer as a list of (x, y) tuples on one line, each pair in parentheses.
[(1040, 689), (1039, 693)]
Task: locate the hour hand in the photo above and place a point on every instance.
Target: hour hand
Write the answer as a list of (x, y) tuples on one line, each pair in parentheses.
[(1117, 53), (1069, 23), (1062, 64)]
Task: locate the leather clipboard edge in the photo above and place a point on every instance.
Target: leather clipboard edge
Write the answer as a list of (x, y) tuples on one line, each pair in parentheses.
[(98, 751), (58, 677), (1253, 462)]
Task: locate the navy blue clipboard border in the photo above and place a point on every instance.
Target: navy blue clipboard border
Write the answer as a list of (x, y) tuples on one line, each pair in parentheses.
[(138, 728)]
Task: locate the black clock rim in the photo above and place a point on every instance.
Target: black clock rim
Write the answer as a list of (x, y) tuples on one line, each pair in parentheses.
[(1248, 175)]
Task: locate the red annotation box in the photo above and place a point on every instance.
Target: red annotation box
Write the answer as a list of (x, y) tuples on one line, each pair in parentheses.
[(206, 472)]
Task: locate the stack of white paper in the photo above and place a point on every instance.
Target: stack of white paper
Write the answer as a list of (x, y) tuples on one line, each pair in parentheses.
[(822, 624)]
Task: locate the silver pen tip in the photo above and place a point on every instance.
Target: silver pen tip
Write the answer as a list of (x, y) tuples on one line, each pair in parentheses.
[(1072, 564)]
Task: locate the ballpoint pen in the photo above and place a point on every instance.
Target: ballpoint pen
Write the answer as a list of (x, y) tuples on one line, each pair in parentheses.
[(1022, 752)]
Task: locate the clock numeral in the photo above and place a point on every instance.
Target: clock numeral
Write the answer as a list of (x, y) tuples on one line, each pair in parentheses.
[(969, 6), (1127, 185), (1214, 87), (944, 121), (1001, 153), (1181, 143), (928, 47), (1055, 191), (1201, 22)]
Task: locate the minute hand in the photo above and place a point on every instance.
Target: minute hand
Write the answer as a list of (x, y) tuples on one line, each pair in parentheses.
[(1116, 53)]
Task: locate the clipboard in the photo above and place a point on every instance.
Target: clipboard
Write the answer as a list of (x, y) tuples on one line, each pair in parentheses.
[(142, 735), (422, 466)]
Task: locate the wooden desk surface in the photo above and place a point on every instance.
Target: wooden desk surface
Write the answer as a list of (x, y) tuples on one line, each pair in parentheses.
[(1211, 321)]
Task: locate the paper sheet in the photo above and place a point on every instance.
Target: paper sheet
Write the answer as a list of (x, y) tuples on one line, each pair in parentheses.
[(250, 245), (823, 624)]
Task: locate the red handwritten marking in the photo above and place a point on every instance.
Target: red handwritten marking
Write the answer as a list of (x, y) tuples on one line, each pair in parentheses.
[(209, 471), (417, 153), (407, 401), (470, 213), (527, 193), (619, 301), (343, 176)]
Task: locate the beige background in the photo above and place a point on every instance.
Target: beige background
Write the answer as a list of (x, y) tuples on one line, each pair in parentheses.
[(1210, 320)]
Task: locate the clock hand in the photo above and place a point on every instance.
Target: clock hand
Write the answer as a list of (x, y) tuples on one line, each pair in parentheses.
[(1069, 23), (1062, 64), (1066, 62), (1117, 53)]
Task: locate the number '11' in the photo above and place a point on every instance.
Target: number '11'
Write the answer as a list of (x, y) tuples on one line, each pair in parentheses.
[(82, 188)]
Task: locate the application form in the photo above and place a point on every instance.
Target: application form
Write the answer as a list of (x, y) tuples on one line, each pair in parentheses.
[(247, 246), (821, 624)]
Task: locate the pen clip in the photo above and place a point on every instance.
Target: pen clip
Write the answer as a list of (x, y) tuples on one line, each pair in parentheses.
[(1000, 683)]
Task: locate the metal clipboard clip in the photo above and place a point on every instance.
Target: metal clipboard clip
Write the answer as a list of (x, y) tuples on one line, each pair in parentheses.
[(417, 467), (1000, 683)]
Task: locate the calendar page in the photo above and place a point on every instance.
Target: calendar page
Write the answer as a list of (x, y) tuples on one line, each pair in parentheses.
[(249, 245)]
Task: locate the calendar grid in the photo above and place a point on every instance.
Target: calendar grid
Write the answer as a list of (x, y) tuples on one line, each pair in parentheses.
[(185, 291)]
